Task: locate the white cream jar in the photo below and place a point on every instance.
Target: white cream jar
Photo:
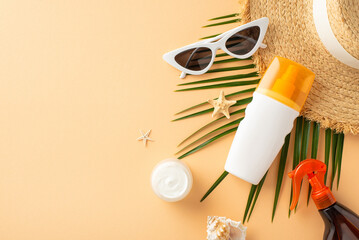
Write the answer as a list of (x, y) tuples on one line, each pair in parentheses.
[(171, 180)]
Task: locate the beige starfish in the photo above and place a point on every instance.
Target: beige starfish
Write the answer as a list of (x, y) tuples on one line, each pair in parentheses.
[(221, 105), (145, 137)]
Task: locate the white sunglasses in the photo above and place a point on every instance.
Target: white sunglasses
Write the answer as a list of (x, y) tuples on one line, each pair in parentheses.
[(240, 42)]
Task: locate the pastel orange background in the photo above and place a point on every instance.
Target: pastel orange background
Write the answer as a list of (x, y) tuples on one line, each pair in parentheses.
[(78, 79)]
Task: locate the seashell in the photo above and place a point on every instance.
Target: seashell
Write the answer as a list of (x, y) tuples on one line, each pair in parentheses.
[(221, 228), (217, 228)]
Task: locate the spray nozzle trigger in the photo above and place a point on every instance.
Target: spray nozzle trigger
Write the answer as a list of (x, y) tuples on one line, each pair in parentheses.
[(315, 170)]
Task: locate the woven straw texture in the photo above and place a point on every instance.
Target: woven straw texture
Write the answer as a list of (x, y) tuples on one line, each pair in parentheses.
[(334, 98)]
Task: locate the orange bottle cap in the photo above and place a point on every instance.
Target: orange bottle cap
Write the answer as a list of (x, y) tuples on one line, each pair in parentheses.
[(315, 170), (287, 82)]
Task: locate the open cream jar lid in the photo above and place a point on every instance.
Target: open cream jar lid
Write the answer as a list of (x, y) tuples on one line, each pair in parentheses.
[(171, 180)]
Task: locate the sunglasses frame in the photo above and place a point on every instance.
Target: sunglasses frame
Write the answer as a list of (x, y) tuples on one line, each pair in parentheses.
[(219, 42)]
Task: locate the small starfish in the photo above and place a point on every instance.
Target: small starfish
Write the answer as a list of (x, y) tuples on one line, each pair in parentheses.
[(145, 137), (221, 105)]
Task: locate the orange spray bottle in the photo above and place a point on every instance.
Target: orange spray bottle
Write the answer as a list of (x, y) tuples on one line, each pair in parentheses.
[(340, 222)]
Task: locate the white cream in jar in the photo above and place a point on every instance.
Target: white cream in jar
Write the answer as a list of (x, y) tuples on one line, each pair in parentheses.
[(171, 180)]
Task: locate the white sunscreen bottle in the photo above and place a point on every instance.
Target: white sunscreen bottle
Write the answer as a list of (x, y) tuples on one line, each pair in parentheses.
[(276, 103)]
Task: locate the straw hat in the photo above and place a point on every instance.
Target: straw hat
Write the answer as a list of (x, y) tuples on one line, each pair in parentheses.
[(292, 33)]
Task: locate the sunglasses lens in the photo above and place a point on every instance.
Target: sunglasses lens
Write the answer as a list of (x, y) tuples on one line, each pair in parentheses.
[(195, 59), (243, 41)]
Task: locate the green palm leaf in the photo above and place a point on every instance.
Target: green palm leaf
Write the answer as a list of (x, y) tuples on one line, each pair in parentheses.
[(199, 147), (216, 183), (210, 123), (339, 156), (314, 151), (282, 163), (194, 114), (219, 18), (258, 190), (219, 79), (228, 95), (305, 140), (221, 85), (297, 147), (239, 103), (328, 136), (211, 36), (249, 201), (334, 165), (315, 140), (237, 121), (223, 23), (249, 66), (225, 16)]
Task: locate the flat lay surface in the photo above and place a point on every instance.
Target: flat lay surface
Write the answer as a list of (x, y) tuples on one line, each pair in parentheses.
[(79, 81)]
